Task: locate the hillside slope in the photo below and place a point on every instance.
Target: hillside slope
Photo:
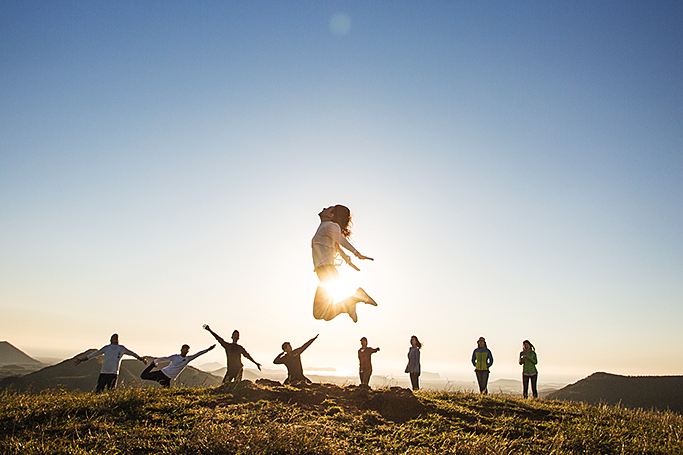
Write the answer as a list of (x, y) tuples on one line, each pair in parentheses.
[(10, 355), (644, 392), (268, 418), (83, 377)]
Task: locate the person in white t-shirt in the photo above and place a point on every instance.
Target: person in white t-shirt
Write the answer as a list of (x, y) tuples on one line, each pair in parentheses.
[(172, 370), (327, 243), (110, 365)]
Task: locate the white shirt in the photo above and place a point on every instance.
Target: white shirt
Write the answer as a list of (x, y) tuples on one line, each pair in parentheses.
[(112, 357), (326, 244), (178, 363)]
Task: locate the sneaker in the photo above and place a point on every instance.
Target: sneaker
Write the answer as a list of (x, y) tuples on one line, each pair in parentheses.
[(364, 297), (351, 310)]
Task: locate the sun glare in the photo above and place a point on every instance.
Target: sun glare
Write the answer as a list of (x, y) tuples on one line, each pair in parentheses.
[(341, 289)]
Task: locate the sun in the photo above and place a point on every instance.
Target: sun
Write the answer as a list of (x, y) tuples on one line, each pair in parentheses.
[(343, 288)]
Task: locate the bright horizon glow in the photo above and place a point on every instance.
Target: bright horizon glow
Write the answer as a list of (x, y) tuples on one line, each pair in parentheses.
[(513, 168)]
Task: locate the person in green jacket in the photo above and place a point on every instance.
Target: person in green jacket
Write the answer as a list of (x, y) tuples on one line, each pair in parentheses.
[(528, 360), (482, 359)]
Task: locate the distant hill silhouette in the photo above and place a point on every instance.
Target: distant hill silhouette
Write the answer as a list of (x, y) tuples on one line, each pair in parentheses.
[(66, 376), (9, 355), (15, 362), (645, 392)]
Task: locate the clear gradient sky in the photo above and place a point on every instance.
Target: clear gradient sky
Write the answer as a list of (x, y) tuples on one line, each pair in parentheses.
[(515, 169)]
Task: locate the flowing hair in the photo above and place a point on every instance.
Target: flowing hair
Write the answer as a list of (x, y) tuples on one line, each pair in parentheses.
[(417, 342), (530, 345), (342, 216)]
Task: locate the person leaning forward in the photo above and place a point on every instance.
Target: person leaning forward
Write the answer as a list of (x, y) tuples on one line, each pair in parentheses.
[(291, 358)]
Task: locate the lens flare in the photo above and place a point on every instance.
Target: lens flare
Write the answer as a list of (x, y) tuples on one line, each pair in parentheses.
[(340, 24)]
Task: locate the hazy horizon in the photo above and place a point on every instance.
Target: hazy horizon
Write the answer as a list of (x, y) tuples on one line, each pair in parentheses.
[(460, 373), (514, 169)]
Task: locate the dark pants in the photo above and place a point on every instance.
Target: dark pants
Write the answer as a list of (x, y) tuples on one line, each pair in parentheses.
[(415, 380), (157, 376), (107, 380), (483, 380), (525, 382), (233, 375), (365, 376)]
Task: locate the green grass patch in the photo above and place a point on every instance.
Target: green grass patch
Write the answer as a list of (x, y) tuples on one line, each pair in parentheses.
[(322, 419)]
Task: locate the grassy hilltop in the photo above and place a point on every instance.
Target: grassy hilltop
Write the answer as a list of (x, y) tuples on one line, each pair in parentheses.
[(267, 418)]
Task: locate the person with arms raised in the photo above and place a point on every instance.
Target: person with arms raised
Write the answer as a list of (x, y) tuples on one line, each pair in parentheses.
[(233, 356), (172, 370), (291, 358)]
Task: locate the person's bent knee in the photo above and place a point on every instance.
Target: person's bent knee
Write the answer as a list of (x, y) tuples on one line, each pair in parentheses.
[(323, 314)]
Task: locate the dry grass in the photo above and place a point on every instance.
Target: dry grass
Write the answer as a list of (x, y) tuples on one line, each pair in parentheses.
[(324, 419)]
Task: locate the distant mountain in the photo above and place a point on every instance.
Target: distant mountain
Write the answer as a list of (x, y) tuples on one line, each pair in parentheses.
[(247, 373), (9, 355), (645, 392), (65, 375)]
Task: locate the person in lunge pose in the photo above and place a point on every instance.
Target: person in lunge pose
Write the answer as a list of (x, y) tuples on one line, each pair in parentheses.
[(291, 358), (528, 359), (110, 365), (233, 355), (365, 362), (172, 370), (413, 367), (333, 235), (482, 359)]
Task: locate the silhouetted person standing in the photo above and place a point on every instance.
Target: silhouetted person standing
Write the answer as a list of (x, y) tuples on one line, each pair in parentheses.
[(482, 359), (413, 367), (291, 358), (528, 360), (333, 234), (172, 370), (365, 362), (233, 355), (110, 365)]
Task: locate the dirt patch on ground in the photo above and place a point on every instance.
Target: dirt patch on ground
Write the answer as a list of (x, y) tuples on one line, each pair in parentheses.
[(395, 404)]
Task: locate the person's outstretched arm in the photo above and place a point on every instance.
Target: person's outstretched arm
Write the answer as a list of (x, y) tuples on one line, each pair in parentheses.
[(246, 354), (89, 356), (215, 335), (132, 354), (305, 346), (194, 356), (344, 242)]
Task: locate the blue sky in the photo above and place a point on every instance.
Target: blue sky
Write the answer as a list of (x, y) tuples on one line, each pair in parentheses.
[(514, 168)]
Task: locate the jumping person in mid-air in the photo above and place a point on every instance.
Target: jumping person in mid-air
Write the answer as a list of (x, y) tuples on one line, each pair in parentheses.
[(173, 370), (110, 365), (291, 358), (233, 355), (333, 234)]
